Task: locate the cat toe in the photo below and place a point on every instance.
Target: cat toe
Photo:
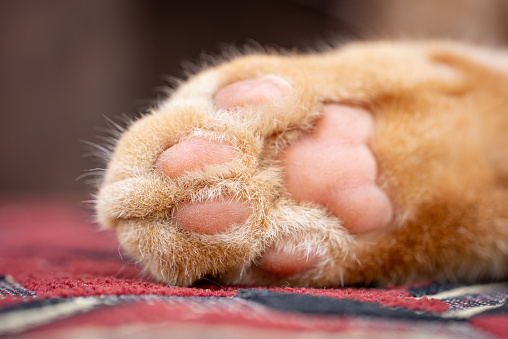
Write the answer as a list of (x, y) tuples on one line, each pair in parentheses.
[(192, 154), (284, 263), (251, 92), (210, 217)]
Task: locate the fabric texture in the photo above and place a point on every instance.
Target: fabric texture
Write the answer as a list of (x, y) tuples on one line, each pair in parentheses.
[(61, 277)]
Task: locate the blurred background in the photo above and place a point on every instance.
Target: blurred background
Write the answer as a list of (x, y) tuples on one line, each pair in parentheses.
[(66, 64)]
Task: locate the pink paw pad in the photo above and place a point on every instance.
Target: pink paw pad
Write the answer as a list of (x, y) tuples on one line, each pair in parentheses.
[(212, 216), (333, 166), (250, 92), (192, 154), (281, 263)]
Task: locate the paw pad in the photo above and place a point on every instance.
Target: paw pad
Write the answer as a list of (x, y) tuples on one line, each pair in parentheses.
[(210, 217), (192, 154), (282, 263), (251, 92)]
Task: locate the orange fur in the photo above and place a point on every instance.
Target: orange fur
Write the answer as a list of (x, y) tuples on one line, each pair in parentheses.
[(440, 139)]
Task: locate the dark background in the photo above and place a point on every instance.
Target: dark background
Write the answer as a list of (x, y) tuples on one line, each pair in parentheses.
[(65, 64)]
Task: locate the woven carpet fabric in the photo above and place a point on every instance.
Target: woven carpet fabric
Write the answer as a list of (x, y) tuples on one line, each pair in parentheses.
[(61, 277)]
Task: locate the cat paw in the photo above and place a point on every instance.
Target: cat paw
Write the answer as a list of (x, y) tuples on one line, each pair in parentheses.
[(223, 184), (273, 170)]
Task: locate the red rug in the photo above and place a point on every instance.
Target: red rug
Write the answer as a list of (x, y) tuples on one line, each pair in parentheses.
[(61, 277)]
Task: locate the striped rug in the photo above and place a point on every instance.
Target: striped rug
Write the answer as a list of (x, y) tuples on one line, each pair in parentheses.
[(60, 278)]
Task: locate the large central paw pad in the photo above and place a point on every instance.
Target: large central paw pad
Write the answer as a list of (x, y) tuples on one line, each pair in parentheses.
[(334, 167)]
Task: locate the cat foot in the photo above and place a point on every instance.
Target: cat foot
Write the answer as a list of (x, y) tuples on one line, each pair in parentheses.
[(269, 169)]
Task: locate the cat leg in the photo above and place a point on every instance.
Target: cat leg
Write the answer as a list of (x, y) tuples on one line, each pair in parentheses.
[(464, 241)]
